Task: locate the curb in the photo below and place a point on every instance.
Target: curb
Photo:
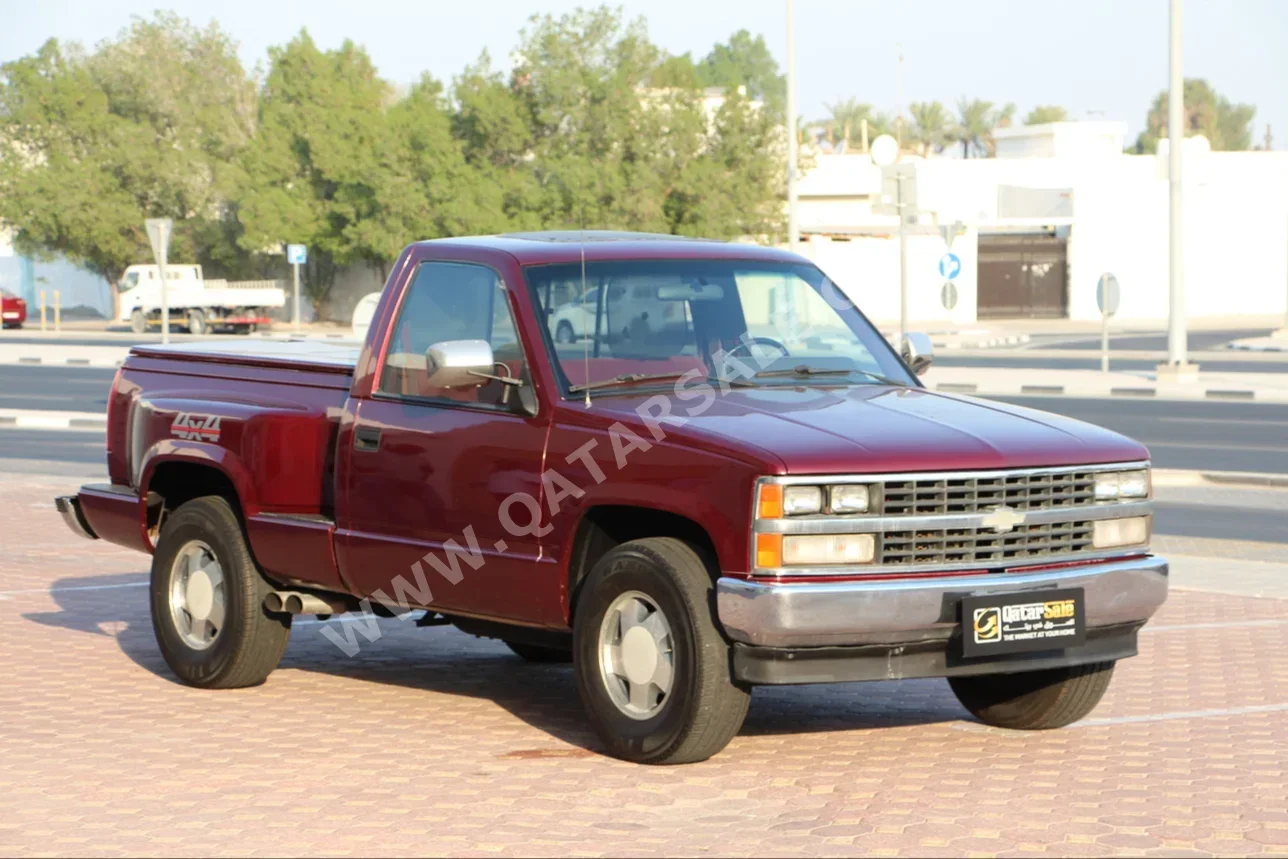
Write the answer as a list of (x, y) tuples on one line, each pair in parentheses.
[(988, 343), (1183, 477), (27, 361), (55, 421), (1227, 394)]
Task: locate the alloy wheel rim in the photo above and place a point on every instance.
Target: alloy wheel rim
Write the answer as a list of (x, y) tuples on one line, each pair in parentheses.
[(198, 595), (636, 655)]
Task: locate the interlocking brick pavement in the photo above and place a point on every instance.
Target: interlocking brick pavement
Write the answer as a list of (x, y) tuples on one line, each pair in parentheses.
[(431, 742)]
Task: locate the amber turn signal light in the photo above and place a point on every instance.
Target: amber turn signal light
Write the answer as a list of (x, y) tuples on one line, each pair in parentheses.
[(770, 505)]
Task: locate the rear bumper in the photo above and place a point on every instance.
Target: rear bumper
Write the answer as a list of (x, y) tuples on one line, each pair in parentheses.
[(69, 507), (910, 611)]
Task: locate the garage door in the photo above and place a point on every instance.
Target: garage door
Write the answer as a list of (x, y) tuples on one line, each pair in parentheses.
[(1024, 276)]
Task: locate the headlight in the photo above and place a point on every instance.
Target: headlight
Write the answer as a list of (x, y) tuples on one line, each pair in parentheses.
[(848, 499), (801, 500), (1122, 484), (821, 549), (1112, 533)]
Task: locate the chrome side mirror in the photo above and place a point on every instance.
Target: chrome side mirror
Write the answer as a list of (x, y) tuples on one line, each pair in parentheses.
[(458, 364), (917, 352)]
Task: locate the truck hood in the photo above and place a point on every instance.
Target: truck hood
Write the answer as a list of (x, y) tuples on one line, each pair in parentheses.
[(868, 428)]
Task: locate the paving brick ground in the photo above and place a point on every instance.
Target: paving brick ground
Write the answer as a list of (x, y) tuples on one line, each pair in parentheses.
[(431, 742)]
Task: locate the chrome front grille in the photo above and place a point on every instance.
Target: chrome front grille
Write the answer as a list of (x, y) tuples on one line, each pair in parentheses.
[(933, 496), (969, 546)]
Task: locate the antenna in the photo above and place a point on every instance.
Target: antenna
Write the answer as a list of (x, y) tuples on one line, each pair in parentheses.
[(585, 350)]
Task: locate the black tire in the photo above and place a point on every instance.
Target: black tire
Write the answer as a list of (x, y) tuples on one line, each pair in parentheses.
[(705, 708), (139, 322), (536, 653), (1034, 700), (197, 322), (251, 641), (564, 332)]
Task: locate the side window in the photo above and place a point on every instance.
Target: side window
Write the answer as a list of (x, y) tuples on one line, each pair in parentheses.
[(450, 301)]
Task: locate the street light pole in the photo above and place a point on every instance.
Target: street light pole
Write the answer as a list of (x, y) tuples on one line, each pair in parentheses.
[(1176, 337), (903, 259), (793, 228)]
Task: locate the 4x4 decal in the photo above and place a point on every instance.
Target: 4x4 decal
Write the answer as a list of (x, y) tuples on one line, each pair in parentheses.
[(196, 427)]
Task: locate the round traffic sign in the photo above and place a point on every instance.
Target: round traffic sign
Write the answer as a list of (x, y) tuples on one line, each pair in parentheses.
[(950, 265), (948, 295), (1107, 294)]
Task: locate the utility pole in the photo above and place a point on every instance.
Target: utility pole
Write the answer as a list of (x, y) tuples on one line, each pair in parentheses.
[(793, 227), (1178, 367)]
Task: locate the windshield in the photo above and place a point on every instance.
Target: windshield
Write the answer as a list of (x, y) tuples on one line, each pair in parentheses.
[(130, 281), (771, 323)]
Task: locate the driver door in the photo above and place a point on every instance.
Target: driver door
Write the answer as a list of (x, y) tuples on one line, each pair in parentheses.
[(430, 466)]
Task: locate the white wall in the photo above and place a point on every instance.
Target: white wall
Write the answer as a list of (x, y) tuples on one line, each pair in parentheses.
[(1235, 223)]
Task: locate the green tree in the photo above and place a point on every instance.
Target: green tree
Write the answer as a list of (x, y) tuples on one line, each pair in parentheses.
[(1044, 113), (745, 61), (314, 170), (976, 120), (930, 126), (149, 125), (1225, 125)]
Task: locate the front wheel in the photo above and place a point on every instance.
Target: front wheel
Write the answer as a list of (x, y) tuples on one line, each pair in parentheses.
[(139, 322), (208, 600), (652, 667), (1034, 700), (564, 333), (197, 322)]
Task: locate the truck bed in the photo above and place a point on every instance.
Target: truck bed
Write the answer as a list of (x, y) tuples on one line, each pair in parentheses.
[(317, 356)]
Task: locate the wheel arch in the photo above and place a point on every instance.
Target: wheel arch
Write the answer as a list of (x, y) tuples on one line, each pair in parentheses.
[(605, 526)]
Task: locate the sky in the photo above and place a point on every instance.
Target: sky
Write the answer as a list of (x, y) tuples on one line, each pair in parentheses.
[(1098, 58)]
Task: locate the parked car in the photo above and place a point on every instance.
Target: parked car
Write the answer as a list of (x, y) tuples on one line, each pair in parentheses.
[(199, 305), (766, 495), (13, 310), (628, 307)]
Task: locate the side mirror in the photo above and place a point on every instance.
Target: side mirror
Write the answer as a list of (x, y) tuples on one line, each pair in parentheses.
[(459, 364), (917, 352)]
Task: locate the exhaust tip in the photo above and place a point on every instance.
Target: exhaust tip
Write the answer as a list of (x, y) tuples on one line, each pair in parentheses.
[(294, 604)]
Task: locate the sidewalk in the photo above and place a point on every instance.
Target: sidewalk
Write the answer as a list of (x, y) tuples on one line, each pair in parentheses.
[(1016, 381)]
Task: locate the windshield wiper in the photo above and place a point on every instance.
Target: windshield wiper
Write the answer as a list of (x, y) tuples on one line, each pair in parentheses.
[(806, 371), (632, 378)]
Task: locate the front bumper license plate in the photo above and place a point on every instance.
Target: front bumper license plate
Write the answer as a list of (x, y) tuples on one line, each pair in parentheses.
[(1021, 622)]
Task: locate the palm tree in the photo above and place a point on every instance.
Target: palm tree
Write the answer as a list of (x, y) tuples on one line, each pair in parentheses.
[(976, 120), (930, 126), (847, 116)]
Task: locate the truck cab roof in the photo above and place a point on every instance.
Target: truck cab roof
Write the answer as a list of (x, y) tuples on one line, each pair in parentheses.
[(562, 246)]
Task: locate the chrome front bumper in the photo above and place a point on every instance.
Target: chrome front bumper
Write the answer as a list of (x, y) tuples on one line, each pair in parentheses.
[(902, 611)]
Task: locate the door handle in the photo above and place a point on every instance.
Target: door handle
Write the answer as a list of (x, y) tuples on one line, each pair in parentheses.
[(366, 438)]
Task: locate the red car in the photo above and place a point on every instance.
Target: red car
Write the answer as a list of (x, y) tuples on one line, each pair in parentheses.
[(761, 493), (13, 310)]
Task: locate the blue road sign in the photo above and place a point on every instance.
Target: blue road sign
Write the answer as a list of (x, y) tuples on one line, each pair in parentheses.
[(950, 265), (297, 254)]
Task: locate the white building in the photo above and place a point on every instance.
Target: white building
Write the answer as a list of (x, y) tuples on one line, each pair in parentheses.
[(1060, 205)]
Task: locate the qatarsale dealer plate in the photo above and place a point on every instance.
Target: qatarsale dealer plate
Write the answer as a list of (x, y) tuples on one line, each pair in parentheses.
[(1021, 622)]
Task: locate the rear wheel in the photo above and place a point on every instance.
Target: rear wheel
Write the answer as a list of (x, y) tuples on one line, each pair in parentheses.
[(207, 600), (197, 322), (1034, 700), (535, 653), (652, 667), (139, 322), (564, 333)]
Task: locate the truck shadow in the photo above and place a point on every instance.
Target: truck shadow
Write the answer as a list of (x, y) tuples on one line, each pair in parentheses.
[(445, 661)]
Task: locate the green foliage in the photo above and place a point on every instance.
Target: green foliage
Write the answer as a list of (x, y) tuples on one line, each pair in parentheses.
[(1044, 113), (594, 126), (976, 120), (1207, 112), (150, 125), (931, 125), (745, 61)]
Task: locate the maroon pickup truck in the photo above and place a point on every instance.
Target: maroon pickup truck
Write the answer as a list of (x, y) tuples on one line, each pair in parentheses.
[(724, 477)]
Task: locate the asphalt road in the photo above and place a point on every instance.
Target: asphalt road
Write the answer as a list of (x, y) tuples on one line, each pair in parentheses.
[(1157, 340), (1013, 358), (1218, 436), (70, 389)]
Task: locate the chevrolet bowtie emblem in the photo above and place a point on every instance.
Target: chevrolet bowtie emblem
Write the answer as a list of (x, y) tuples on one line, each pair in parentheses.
[(1002, 519)]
